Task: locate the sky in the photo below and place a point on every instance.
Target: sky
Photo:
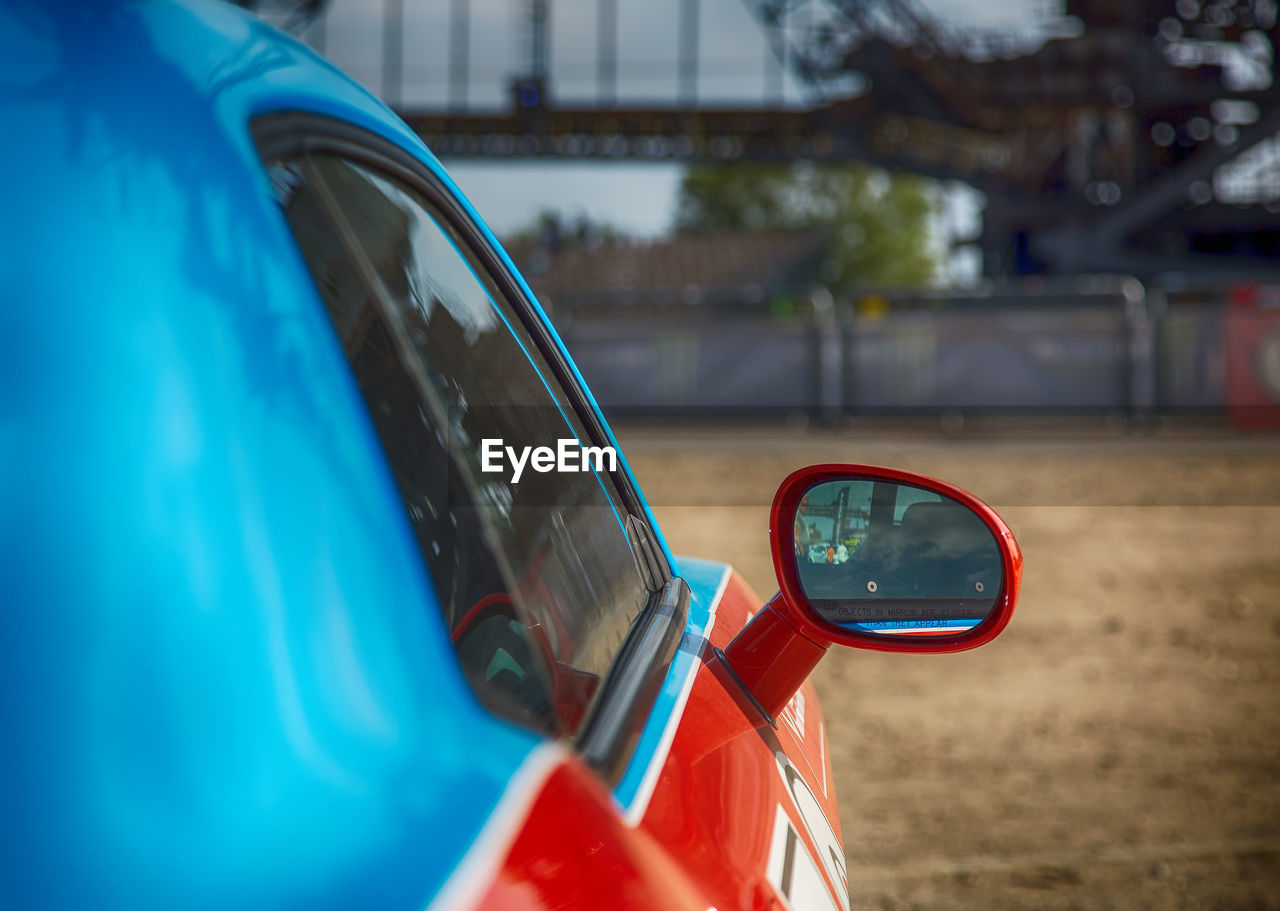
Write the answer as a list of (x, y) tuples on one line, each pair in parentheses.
[(639, 198)]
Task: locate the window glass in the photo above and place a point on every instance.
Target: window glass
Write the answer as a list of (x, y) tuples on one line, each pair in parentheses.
[(536, 577)]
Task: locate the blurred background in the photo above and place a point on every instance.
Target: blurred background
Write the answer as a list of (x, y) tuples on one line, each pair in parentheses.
[(1029, 246), (834, 208)]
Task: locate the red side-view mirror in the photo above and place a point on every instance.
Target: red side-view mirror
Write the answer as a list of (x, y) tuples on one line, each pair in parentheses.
[(875, 558)]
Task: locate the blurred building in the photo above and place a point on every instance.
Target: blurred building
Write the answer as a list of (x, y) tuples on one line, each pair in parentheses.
[(1136, 138), (707, 274)]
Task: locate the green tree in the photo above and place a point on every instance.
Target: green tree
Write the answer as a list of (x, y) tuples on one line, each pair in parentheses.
[(880, 224)]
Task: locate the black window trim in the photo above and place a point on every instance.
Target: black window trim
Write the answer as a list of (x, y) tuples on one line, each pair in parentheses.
[(609, 735)]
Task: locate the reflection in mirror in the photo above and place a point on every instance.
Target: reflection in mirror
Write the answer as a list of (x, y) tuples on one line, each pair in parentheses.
[(883, 557)]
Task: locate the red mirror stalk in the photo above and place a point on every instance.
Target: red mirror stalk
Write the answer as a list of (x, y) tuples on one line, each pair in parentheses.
[(772, 657)]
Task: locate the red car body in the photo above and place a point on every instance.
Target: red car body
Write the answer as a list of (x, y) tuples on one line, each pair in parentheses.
[(739, 809), (742, 814)]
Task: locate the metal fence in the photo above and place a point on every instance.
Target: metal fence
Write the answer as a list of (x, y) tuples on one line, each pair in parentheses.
[(1114, 346)]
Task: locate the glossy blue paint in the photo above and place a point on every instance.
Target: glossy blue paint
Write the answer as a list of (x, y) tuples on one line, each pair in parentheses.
[(223, 675)]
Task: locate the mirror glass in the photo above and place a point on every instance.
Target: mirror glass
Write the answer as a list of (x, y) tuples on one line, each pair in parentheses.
[(882, 557)]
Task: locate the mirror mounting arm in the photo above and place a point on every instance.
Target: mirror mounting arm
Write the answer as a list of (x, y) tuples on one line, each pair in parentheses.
[(772, 657)]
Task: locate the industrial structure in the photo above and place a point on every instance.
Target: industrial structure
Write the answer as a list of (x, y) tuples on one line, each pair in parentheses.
[(1140, 137)]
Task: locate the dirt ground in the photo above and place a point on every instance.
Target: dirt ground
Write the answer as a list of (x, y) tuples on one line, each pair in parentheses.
[(1119, 746)]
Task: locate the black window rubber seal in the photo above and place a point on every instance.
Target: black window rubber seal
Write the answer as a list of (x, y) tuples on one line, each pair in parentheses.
[(612, 731), (609, 735)]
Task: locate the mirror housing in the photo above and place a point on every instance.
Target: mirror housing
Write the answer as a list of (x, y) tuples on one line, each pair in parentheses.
[(776, 651)]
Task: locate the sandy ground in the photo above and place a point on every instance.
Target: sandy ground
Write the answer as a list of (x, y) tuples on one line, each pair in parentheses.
[(1119, 746)]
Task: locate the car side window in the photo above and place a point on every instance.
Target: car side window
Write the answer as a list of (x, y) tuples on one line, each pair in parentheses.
[(536, 576)]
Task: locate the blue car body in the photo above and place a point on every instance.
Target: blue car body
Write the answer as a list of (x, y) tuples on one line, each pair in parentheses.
[(202, 718)]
